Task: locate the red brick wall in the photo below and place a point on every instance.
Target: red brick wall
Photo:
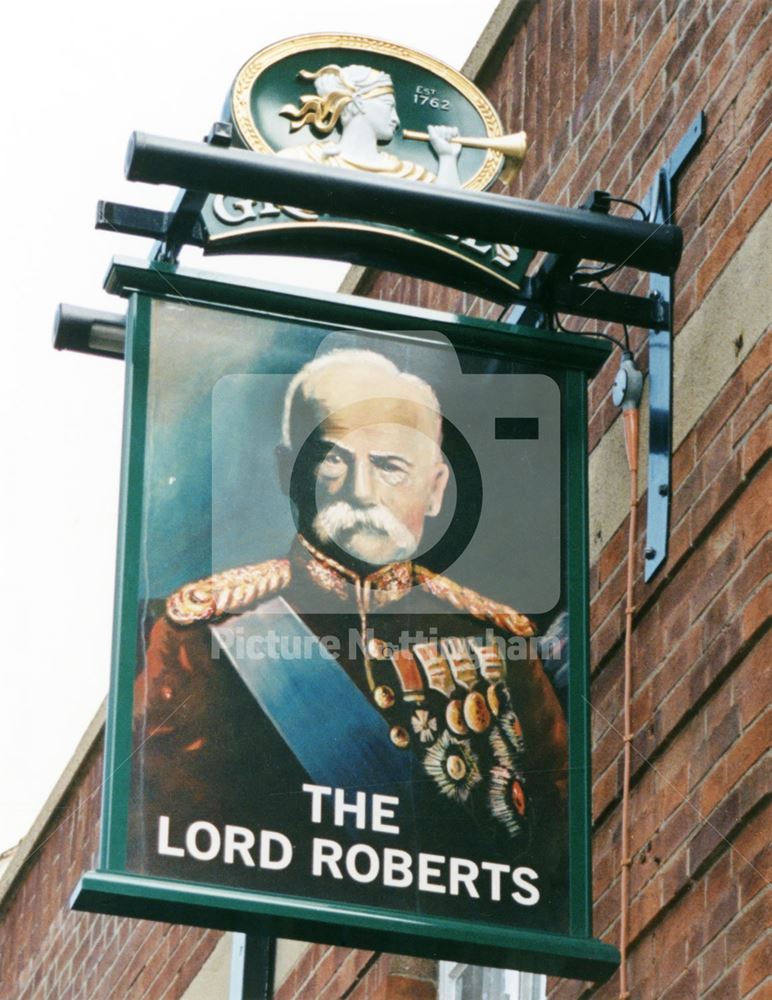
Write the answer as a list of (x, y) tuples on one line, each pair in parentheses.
[(605, 88), (51, 953), (326, 973)]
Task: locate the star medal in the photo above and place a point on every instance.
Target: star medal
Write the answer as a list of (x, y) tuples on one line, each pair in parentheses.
[(453, 766)]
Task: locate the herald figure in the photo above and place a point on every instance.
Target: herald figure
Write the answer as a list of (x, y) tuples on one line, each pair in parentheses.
[(356, 107)]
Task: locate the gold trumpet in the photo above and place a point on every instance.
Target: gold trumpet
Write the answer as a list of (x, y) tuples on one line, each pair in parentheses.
[(512, 147)]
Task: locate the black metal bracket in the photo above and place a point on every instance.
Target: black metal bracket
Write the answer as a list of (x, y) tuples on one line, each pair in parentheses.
[(556, 290), (252, 967), (552, 290), (88, 331), (659, 206), (172, 230), (201, 168)]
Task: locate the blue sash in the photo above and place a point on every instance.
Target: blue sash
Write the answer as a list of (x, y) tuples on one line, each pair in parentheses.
[(337, 736)]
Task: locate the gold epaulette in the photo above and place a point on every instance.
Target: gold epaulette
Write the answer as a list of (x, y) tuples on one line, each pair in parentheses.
[(471, 603), (227, 592)]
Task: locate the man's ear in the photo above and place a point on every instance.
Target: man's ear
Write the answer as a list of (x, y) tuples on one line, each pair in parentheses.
[(284, 464), (440, 482)]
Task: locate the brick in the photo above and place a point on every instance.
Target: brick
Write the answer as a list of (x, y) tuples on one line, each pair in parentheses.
[(721, 902), (753, 141), (752, 18), (756, 614), (644, 909), (717, 741), (752, 510), (748, 793), (712, 963), (684, 988), (727, 988), (739, 759), (752, 856), (756, 965), (406, 988), (756, 448), (324, 972), (687, 45), (714, 498), (655, 58), (715, 422), (743, 932)]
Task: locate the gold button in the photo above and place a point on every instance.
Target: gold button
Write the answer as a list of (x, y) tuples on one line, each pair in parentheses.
[(383, 696), (399, 737), (476, 712), (454, 716), (494, 703), (456, 767)]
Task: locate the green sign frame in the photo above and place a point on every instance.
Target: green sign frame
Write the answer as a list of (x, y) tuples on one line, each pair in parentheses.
[(114, 889)]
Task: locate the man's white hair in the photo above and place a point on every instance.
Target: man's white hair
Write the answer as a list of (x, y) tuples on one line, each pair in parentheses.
[(303, 384)]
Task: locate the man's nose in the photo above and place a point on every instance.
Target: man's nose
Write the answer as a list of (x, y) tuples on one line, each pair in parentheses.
[(363, 483)]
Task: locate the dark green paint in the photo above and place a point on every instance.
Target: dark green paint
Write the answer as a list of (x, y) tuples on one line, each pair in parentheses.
[(575, 514), (118, 743), (354, 927), (553, 349)]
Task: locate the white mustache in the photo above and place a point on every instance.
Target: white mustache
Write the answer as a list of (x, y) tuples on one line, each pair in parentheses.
[(339, 520)]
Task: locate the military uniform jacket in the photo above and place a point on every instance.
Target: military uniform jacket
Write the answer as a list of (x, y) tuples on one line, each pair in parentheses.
[(482, 735)]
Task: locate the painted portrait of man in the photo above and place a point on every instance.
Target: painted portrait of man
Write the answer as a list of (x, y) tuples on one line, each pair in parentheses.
[(289, 694)]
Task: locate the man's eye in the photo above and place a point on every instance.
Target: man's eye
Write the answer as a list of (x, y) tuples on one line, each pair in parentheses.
[(393, 473), (332, 464), (393, 466)]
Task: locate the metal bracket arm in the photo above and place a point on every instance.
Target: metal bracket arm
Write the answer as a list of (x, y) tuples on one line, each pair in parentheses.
[(659, 206), (426, 207)]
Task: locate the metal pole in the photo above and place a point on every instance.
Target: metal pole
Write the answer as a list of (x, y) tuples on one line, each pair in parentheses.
[(242, 173)]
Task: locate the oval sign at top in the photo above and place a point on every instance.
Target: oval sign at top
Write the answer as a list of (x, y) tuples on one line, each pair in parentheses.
[(351, 101)]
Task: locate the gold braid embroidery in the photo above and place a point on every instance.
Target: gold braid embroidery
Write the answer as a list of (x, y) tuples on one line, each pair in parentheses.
[(472, 603), (226, 592)]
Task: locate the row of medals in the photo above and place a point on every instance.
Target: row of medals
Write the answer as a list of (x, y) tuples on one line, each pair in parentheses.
[(450, 665)]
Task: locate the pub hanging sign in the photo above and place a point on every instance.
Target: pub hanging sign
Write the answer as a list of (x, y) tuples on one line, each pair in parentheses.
[(349, 698)]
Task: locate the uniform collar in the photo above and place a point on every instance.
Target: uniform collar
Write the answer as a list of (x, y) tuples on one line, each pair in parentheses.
[(388, 583)]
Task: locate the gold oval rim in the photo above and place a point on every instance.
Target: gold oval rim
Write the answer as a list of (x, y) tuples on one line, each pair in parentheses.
[(260, 61)]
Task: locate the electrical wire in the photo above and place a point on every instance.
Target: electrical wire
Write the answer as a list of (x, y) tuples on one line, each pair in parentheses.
[(592, 333), (603, 284), (631, 425), (588, 273), (627, 201)]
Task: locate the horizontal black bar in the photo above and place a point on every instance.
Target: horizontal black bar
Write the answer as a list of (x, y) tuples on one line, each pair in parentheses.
[(434, 209), (127, 276), (89, 331), (611, 307), (516, 428), (179, 227), (134, 221)]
